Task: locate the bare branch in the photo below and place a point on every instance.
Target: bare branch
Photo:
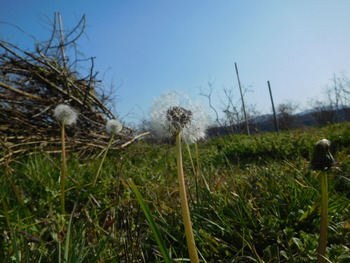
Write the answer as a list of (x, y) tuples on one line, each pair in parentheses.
[(208, 95)]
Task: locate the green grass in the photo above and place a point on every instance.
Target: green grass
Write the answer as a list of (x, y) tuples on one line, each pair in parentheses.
[(254, 200)]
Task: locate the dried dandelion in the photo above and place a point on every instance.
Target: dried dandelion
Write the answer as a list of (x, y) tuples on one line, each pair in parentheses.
[(322, 160)]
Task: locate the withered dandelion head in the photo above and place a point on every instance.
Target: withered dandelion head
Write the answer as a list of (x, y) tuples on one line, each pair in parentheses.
[(65, 114), (322, 158)]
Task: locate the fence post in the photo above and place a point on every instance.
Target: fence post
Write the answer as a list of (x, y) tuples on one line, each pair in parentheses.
[(243, 106), (273, 108)]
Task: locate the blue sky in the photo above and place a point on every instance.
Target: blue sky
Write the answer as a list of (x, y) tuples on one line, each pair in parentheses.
[(151, 47)]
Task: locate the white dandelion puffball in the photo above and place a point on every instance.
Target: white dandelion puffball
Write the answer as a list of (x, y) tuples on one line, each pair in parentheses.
[(324, 143), (113, 127), (174, 112), (65, 114)]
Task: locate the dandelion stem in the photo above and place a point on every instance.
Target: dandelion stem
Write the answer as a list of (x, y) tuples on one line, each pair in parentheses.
[(103, 159), (64, 169), (324, 219), (184, 204), (198, 170)]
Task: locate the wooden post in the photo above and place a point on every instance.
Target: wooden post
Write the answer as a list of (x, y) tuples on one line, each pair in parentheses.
[(243, 106), (62, 41), (273, 109)]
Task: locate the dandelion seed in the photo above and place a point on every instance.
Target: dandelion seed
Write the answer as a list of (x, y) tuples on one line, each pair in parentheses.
[(113, 127), (65, 114)]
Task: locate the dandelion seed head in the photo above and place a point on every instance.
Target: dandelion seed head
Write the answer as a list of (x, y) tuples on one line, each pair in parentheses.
[(179, 117), (322, 158), (65, 114), (323, 143), (174, 112), (113, 127)]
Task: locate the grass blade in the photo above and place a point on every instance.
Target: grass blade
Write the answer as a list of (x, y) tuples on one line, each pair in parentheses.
[(68, 237), (151, 221), (15, 247)]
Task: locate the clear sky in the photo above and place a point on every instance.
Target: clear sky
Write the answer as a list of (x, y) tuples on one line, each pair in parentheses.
[(154, 46)]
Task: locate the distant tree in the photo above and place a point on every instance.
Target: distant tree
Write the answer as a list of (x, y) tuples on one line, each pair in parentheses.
[(324, 113), (335, 106), (232, 111), (338, 95), (286, 115), (233, 120)]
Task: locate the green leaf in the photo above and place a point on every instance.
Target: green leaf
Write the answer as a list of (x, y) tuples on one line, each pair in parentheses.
[(297, 242)]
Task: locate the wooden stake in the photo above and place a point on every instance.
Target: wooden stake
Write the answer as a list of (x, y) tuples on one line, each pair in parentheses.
[(243, 106), (62, 41), (273, 109)]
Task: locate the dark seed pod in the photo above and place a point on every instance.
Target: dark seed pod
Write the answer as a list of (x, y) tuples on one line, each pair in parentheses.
[(179, 117), (322, 158)]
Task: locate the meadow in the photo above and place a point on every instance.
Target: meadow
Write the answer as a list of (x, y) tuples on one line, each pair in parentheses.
[(252, 199)]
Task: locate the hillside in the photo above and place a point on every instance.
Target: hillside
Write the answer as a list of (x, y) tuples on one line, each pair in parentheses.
[(308, 118)]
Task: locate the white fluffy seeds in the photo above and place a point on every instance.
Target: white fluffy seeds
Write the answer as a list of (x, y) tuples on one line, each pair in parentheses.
[(65, 114), (113, 127), (193, 125)]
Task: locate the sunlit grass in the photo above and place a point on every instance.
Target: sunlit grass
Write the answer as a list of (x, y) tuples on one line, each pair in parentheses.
[(247, 204)]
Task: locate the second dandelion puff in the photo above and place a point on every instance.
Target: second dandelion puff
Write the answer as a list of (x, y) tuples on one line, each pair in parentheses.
[(113, 127)]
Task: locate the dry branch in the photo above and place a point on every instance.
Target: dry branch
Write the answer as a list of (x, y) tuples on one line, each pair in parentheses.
[(32, 84)]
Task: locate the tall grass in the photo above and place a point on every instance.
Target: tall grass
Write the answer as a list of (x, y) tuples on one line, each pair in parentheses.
[(255, 200)]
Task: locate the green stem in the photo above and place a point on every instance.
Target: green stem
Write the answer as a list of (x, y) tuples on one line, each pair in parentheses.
[(7, 217), (64, 170), (195, 173), (198, 170), (184, 204), (200, 175), (14, 188), (324, 219), (103, 159), (197, 159)]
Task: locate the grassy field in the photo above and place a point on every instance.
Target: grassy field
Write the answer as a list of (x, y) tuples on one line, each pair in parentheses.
[(252, 199)]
